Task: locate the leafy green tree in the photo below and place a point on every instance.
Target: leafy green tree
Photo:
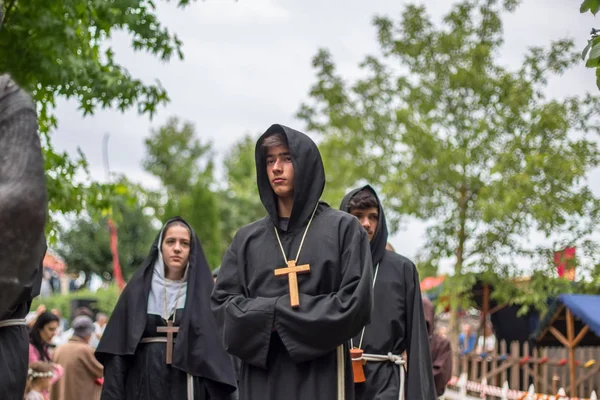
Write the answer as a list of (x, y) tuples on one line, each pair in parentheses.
[(454, 138), (184, 165), (592, 50), (240, 203), (85, 242), (85, 246), (60, 49)]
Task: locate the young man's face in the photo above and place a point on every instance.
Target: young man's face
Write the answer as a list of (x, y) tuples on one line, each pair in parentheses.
[(280, 171), (368, 217)]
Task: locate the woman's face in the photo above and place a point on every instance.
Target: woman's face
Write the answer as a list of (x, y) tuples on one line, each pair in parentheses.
[(48, 331), (176, 248)]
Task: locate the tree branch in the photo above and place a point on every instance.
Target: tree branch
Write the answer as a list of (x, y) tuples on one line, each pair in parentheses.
[(4, 18)]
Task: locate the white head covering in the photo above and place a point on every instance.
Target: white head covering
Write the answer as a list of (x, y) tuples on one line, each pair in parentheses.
[(176, 290)]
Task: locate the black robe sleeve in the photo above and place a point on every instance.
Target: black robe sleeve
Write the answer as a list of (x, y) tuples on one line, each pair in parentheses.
[(325, 321), (419, 376), (115, 376), (245, 324)]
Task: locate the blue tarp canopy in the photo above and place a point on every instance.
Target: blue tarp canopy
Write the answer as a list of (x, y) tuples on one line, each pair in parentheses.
[(586, 307), (586, 310)]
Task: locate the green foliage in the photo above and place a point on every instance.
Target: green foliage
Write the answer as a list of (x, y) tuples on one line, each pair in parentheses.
[(174, 155), (426, 267), (450, 136), (239, 202), (85, 243), (106, 300), (67, 193), (199, 207), (592, 50), (59, 49), (185, 168)]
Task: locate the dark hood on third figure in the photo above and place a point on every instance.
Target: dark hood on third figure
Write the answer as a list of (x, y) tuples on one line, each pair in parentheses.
[(309, 176), (381, 234)]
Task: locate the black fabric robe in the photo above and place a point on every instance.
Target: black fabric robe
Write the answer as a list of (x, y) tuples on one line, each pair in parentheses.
[(138, 371), (291, 353), (23, 208), (14, 348), (397, 324)]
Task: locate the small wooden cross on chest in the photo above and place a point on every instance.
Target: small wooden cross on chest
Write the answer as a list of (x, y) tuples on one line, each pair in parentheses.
[(169, 330), (292, 271)]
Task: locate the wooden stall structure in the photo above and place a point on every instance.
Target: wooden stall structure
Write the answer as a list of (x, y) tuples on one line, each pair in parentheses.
[(573, 321)]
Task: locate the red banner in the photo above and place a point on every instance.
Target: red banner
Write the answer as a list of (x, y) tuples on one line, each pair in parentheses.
[(565, 263), (117, 275)]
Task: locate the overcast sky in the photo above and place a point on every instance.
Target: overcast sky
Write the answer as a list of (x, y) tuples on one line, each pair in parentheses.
[(248, 64)]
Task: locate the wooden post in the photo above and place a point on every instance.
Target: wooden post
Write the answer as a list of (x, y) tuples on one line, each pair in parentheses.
[(525, 374), (571, 348), (486, 310), (515, 369), (503, 351), (545, 368), (555, 380)]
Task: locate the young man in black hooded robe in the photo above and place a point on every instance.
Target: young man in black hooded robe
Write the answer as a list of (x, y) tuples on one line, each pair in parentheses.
[(171, 289), (397, 322), (294, 350), (23, 208)]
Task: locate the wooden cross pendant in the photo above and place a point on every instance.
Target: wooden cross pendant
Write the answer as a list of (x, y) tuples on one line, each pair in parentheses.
[(292, 272), (169, 330)]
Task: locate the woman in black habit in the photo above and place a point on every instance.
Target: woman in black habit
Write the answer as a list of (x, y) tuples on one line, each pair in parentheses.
[(171, 289)]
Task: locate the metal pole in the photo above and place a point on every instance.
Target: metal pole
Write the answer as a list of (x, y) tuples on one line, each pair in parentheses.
[(105, 156)]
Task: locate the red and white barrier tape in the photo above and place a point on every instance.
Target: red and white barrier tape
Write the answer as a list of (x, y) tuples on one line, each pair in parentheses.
[(511, 393)]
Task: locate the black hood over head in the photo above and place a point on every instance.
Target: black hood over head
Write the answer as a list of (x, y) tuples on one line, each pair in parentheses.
[(309, 176), (381, 234)]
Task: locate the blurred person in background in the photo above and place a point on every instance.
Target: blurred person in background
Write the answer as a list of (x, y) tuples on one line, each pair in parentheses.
[(82, 370), (32, 316), (39, 379), (40, 338), (99, 325), (467, 339), (66, 335), (63, 325), (441, 350)]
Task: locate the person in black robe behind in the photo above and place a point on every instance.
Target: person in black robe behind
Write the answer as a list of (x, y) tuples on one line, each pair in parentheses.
[(23, 210), (294, 353), (174, 282), (398, 322)]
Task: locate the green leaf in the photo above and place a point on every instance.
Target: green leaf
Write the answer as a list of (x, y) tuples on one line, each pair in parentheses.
[(586, 49), (595, 52), (592, 5), (592, 62)]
